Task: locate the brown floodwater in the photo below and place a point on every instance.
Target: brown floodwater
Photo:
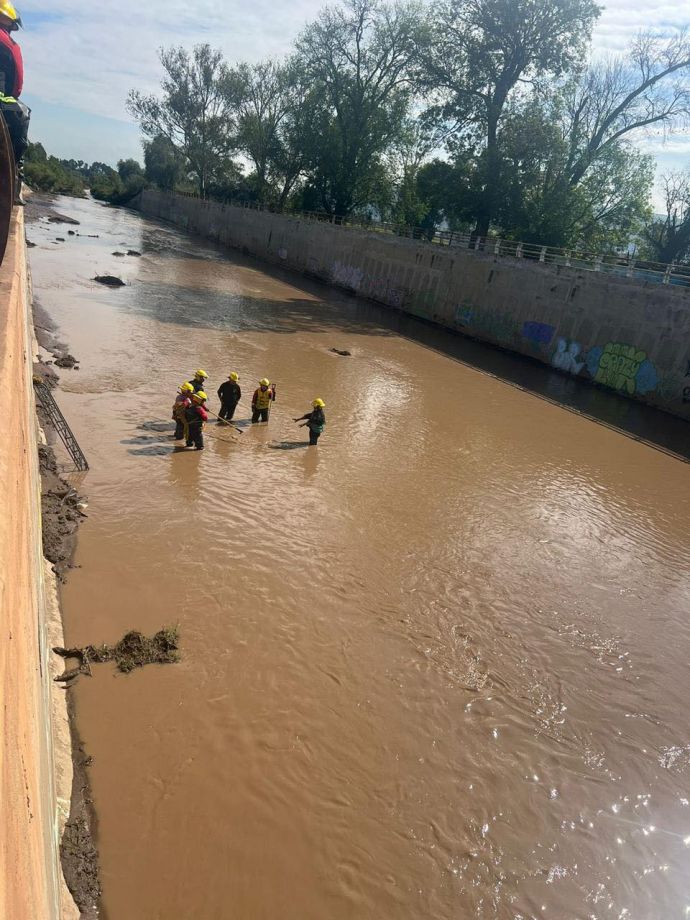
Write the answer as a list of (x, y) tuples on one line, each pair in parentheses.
[(436, 667)]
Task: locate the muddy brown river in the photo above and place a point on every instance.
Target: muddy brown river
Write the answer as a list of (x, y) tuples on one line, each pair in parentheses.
[(436, 667)]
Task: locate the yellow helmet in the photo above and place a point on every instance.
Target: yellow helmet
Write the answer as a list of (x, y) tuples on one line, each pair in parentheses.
[(265, 382), (319, 404), (234, 376), (200, 395), (186, 388), (201, 374), (7, 10)]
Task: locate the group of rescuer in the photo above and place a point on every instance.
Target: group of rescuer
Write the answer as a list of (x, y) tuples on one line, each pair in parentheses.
[(190, 413)]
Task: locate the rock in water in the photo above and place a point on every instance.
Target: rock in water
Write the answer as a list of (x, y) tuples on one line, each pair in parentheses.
[(62, 219), (133, 252), (109, 280), (337, 351)]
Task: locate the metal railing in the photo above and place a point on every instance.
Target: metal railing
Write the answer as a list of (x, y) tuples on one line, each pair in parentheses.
[(623, 265)]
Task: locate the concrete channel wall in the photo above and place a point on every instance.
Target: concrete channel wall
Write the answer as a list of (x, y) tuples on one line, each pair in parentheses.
[(31, 886), (631, 336)]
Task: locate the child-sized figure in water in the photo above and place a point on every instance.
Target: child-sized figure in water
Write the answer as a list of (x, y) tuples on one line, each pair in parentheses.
[(196, 415), (315, 421), (182, 402)]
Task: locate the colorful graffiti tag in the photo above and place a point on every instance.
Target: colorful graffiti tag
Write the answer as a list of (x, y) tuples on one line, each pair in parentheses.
[(622, 367), (565, 357), (538, 333)]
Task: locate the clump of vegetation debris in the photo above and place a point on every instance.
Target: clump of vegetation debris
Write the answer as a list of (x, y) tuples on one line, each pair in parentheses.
[(133, 651)]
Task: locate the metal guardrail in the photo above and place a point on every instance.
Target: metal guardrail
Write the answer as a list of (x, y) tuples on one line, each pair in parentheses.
[(623, 265)]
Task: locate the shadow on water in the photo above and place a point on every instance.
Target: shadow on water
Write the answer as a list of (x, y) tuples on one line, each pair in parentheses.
[(288, 445), (338, 311), (156, 451)]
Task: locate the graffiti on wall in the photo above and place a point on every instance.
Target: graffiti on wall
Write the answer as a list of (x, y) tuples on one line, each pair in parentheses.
[(490, 323), (538, 333), (566, 357), (283, 253), (622, 367), (347, 276), (380, 289)]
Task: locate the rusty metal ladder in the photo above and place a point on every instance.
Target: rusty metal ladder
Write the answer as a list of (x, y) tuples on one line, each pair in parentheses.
[(59, 423)]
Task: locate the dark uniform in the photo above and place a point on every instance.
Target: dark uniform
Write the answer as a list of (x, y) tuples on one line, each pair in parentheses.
[(229, 394), (195, 417), (197, 384), (316, 422)]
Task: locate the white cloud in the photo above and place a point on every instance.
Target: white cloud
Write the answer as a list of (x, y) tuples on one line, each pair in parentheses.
[(89, 55)]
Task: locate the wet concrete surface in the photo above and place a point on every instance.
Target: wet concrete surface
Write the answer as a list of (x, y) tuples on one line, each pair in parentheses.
[(435, 667)]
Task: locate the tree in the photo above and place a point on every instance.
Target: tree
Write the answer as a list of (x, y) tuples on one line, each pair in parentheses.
[(164, 165), (194, 112), (129, 169), (479, 52), (627, 95), (266, 99), (667, 237), (357, 59), (603, 209)]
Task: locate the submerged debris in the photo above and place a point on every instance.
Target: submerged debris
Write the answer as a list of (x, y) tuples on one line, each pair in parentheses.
[(345, 354), (134, 650), (109, 280), (65, 360), (30, 245), (62, 219), (119, 255), (133, 252)]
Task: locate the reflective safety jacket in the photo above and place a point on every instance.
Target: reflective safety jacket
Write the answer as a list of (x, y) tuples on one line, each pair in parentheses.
[(11, 65), (262, 399)]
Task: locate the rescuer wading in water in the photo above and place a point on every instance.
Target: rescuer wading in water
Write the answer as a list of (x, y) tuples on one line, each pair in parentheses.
[(315, 421), (229, 394), (198, 381), (195, 416), (182, 402), (261, 401)]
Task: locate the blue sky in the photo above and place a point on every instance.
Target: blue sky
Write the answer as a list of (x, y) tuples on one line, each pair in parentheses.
[(82, 58)]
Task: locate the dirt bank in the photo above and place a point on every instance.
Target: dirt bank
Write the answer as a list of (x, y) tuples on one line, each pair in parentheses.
[(62, 509)]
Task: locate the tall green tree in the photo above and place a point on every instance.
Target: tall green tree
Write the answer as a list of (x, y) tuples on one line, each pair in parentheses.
[(357, 60), (603, 209), (480, 52), (267, 98), (194, 111), (164, 165)]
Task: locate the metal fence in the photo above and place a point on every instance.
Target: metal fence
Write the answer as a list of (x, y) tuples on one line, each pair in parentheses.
[(623, 265)]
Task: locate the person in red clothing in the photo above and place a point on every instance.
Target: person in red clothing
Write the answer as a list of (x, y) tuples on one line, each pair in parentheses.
[(195, 416), (11, 84)]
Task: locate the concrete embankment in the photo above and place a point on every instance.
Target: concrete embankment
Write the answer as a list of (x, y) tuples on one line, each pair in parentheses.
[(34, 732), (619, 333)]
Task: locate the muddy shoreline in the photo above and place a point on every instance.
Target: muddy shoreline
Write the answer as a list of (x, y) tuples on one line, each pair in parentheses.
[(62, 511)]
